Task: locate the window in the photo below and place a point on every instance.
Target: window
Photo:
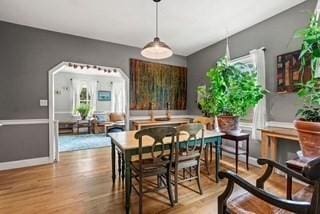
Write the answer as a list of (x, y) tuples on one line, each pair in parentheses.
[(249, 61), (84, 94)]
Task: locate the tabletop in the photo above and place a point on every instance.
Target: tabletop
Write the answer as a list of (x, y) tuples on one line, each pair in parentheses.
[(126, 140), (281, 131)]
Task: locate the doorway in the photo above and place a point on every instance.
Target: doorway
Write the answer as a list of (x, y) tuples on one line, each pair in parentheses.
[(76, 89)]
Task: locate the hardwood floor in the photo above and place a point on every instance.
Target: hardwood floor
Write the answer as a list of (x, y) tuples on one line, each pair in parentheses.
[(81, 183)]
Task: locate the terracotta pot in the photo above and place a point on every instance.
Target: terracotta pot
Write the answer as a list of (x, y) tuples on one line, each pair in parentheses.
[(309, 138), (229, 124)]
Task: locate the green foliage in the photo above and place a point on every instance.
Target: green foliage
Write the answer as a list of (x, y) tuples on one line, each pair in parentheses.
[(310, 53), (83, 110), (233, 90)]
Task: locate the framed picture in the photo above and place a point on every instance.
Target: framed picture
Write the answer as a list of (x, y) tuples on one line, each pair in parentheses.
[(289, 73), (104, 95)]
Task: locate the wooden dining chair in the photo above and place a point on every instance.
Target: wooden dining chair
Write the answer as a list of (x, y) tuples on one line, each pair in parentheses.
[(207, 123), (257, 200), (187, 155), (152, 163)]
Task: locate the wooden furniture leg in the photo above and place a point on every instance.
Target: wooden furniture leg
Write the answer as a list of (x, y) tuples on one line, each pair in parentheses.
[(273, 148), (264, 150), (119, 164), (218, 147), (128, 181), (247, 153), (237, 155), (113, 161)]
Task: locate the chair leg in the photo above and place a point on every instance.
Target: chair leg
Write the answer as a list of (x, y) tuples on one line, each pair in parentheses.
[(169, 188), (140, 195), (176, 172), (198, 177), (289, 187), (211, 146)]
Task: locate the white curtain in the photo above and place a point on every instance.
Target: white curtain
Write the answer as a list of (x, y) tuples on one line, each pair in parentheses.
[(76, 88), (118, 97), (92, 89), (259, 113)]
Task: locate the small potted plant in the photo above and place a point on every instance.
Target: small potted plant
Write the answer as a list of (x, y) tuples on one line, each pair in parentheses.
[(83, 110), (308, 117), (232, 91)]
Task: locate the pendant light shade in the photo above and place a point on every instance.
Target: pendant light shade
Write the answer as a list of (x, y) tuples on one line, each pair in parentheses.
[(156, 49)]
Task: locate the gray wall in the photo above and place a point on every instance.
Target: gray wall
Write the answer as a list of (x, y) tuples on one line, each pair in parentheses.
[(276, 34), (26, 55)]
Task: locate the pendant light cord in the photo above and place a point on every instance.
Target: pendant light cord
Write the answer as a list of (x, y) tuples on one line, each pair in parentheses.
[(157, 19)]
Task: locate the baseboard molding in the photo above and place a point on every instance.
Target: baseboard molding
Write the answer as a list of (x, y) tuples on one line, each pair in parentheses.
[(242, 158), (24, 122), (24, 163)]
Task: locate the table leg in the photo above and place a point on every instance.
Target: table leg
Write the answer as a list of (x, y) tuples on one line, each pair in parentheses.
[(218, 147), (237, 154), (247, 153), (113, 161), (128, 181), (273, 148), (264, 152)]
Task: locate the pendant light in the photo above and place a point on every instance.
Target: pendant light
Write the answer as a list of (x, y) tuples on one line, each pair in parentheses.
[(156, 49)]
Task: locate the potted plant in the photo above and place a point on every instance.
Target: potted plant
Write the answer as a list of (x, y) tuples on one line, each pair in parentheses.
[(232, 91), (308, 117), (83, 110)]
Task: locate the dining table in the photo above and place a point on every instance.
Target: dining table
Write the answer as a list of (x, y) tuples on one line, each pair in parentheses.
[(129, 146)]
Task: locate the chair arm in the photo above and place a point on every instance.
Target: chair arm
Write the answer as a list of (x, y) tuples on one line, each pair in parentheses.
[(312, 169), (293, 206), (272, 164)]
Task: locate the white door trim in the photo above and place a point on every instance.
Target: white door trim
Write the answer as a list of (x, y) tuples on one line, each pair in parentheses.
[(53, 153)]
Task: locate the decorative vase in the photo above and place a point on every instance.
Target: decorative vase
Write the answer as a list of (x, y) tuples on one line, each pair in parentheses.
[(309, 137), (229, 124)]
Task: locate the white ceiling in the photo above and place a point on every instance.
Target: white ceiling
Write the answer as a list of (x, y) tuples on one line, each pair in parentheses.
[(185, 25)]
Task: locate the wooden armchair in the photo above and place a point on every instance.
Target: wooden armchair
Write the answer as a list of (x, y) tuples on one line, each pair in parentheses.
[(257, 200)]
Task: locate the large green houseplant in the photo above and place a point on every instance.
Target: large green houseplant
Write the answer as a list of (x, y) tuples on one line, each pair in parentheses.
[(308, 117), (231, 92)]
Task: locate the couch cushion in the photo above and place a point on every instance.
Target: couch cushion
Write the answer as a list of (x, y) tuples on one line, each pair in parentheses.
[(101, 118)]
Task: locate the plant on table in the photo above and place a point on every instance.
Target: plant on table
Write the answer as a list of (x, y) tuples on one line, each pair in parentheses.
[(232, 91), (83, 110)]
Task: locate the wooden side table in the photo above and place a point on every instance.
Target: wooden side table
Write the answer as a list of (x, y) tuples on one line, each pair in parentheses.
[(235, 150), (84, 124)]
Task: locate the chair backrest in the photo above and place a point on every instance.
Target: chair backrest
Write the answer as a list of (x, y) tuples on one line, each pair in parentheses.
[(114, 117), (158, 145), (207, 122), (193, 145)]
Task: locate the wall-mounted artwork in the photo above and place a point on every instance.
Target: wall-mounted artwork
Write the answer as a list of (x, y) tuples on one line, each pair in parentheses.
[(289, 74), (158, 84), (104, 96)]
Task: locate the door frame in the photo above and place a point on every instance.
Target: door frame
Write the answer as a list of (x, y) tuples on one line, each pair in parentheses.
[(53, 145)]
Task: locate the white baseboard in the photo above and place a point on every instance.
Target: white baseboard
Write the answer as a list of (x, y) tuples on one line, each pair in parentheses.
[(24, 163), (24, 122), (242, 158)]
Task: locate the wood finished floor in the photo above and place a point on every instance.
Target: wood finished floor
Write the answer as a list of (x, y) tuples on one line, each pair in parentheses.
[(81, 183)]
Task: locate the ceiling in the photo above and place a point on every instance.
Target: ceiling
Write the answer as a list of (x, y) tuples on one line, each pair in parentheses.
[(185, 25)]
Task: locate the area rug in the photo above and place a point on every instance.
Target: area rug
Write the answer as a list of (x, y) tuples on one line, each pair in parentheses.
[(85, 141)]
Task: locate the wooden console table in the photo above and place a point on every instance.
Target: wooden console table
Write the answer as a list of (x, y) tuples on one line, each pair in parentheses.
[(139, 124), (269, 141)]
